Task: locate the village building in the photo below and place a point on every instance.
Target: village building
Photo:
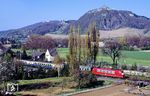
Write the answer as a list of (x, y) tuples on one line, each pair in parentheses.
[(50, 54), (38, 56), (101, 44)]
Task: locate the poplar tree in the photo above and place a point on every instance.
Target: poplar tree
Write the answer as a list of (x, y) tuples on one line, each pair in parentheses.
[(75, 54), (88, 48), (72, 57), (95, 43), (76, 57), (79, 45), (92, 43)]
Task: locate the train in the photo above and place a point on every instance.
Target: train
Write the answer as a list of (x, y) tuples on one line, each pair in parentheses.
[(116, 73)]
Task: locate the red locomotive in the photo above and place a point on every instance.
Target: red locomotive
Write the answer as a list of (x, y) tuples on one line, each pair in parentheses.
[(108, 72)]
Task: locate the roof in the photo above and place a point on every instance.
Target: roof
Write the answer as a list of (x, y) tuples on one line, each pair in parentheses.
[(53, 52), (37, 53)]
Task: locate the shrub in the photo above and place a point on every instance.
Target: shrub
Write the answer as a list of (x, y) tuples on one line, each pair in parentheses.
[(134, 67), (146, 48), (65, 70), (89, 80), (124, 67)]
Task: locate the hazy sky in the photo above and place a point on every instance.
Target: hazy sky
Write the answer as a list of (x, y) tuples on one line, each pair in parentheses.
[(19, 13)]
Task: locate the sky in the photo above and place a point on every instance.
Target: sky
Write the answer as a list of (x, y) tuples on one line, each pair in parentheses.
[(19, 13)]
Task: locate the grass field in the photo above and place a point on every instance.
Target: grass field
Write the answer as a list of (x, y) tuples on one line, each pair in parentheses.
[(33, 81), (57, 89), (29, 52), (128, 57)]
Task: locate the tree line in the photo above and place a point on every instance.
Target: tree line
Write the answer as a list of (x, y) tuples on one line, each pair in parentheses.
[(45, 42), (131, 42)]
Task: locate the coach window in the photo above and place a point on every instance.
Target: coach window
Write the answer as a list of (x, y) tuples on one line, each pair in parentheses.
[(98, 70), (113, 72)]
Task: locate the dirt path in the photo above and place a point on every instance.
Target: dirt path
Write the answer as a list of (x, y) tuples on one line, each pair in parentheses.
[(115, 90), (110, 91)]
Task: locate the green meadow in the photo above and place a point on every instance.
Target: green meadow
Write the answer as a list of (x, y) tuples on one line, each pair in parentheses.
[(127, 57)]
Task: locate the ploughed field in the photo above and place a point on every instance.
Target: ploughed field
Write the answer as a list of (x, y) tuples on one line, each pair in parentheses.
[(119, 90), (127, 57)]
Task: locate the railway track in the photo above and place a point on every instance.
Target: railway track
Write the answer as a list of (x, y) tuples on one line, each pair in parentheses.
[(118, 80)]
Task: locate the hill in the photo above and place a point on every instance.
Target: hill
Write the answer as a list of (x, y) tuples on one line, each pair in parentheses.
[(107, 20)]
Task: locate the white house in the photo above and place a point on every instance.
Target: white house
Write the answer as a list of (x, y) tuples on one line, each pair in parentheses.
[(101, 44), (50, 54)]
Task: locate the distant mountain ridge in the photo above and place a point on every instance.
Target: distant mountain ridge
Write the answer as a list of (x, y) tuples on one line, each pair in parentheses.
[(109, 19), (41, 28), (105, 18)]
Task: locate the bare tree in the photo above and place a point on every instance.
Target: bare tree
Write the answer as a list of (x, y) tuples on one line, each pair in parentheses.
[(112, 49), (58, 60), (40, 42), (133, 41), (6, 73), (145, 42)]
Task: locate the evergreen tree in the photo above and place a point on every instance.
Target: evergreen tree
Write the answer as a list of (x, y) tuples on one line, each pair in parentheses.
[(7, 57), (24, 55)]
